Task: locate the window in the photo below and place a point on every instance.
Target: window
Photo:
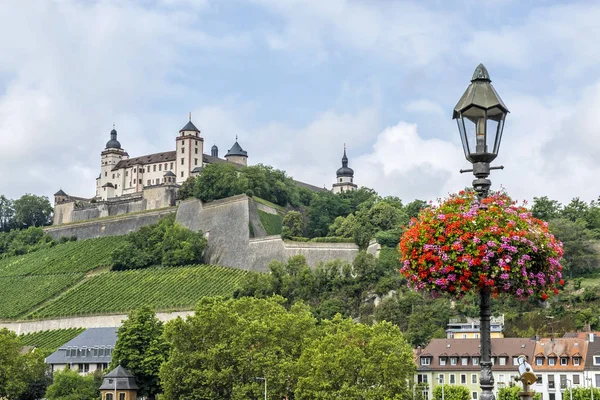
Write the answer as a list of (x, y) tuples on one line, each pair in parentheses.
[(171, 166), (126, 173), (564, 361), (596, 360), (464, 361), (440, 378), (464, 335), (425, 361), (552, 361), (442, 360), (115, 186), (463, 379), (515, 360), (95, 352), (158, 181), (101, 352), (148, 182), (575, 379), (140, 181), (501, 378), (452, 379), (453, 360), (182, 161), (135, 170), (551, 396), (421, 378), (474, 379), (195, 161), (160, 167), (121, 396), (105, 173), (550, 381), (477, 336), (182, 149), (196, 150), (539, 380), (502, 360), (113, 176), (539, 361), (474, 394), (563, 381), (182, 174), (108, 396), (84, 367), (576, 361), (597, 379)]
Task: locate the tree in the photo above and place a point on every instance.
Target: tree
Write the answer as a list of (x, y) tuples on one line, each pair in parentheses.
[(580, 255), (141, 348), (512, 393), (580, 393), (452, 392), (292, 225), (219, 352), (187, 189), (7, 212), (323, 210), (356, 362), (413, 208), (545, 209), (69, 385), (218, 181), (32, 210), (576, 210)]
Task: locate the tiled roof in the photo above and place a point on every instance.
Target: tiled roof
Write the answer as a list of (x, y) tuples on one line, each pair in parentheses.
[(566, 347), (189, 127), (149, 159), (506, 347), (119, 379)]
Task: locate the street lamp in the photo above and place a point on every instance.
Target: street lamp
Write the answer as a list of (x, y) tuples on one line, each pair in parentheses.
[(480, 114), (263, 379), (591, 387), (570, 388), (441, 380)]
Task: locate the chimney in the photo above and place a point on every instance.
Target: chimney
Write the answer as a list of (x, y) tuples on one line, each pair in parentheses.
[(591, 337)]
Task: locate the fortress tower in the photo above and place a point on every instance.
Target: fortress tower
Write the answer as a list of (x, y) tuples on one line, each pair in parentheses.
[(113, 153), (236, 154), (189, 150), (345, 177)]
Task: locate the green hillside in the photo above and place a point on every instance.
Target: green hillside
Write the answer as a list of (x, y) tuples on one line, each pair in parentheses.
[(23, 293), (50, 340), (159, 288), (70, 257)]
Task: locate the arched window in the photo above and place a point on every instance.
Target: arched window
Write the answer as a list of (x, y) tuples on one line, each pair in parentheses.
[(108, 396)]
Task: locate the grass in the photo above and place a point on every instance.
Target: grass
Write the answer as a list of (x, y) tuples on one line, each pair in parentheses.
[(268, 203), (271, 222), (175, 288)]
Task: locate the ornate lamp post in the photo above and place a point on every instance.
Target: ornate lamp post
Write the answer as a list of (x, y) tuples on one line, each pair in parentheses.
[(480, 114)]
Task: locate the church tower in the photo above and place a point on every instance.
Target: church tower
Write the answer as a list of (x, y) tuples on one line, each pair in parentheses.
[(345, 177), (189, 149), (109, 158)]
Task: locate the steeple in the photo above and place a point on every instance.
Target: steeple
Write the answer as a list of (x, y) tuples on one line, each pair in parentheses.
[(344, 176), (214, 151), (345, 158), (113, 143), (345, 170)]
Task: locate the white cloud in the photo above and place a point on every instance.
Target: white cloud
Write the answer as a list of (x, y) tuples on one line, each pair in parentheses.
[(425, 106)]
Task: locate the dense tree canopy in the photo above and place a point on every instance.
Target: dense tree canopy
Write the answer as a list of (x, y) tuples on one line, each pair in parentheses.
[(69, 385)]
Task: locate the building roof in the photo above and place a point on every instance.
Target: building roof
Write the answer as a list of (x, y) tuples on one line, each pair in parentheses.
[(310, 187), (60, 193), (345, 170), (113, 143), (169, 173), (236, 150), (165, 156), (108, 184), (561, 347), (119, 379), (91, 338), (501, 347), (189, 127)]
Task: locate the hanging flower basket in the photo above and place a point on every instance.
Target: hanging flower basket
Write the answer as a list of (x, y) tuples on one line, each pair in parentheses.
[(459, 246)]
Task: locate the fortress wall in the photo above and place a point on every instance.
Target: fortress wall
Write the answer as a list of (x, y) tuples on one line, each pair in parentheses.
[(63, 213), (94, 321), (316, 253), (265, 208), (107, 227), (159, 197), (85, 214), (262, 251), (225, 223)]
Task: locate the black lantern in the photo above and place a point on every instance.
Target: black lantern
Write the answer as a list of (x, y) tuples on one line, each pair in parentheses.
[(480, 115)]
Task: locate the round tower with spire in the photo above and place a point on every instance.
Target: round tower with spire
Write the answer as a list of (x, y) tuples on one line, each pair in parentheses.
[(236, 154), (344, 177)]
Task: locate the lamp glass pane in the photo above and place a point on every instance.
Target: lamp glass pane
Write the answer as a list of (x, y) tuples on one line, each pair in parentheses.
[(499, 134), (471, 134), (463, 136)]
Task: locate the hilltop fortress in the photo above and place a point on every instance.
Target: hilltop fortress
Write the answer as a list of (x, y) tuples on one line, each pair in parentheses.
[(150, 182), (132, 192)]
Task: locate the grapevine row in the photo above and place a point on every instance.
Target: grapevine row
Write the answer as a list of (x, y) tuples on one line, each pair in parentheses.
[(50, 339)]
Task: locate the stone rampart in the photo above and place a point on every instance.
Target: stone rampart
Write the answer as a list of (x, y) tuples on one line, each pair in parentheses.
[(114, 226), (96, 321)]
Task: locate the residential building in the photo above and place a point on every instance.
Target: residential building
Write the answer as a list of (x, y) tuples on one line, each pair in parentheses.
[(89, 351), (559, 364), (456, 362), (468, 328)]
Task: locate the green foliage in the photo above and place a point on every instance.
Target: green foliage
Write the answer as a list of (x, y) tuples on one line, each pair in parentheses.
[(70, 257), (187, 189), (271, 222), (159, 288), (580, 393), (18, 242), (219, 352), (164, 243), (32, 210), (545, 209), (218, 181), (292, 225), (580, 255), (331, 239), (23, 293), (69, 385), (356, 362), (389, 238), (7, 212), (454, 392), (141, 348), (50, 340), (21, 375)]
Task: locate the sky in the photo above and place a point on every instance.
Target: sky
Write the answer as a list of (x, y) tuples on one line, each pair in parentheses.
[(295, 80)]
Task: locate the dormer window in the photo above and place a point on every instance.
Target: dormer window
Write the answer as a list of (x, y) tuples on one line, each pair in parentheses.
[(443, 360), (564, 361), (596, 360), (425, 361), (475, 360), (502, 360), (552, 362), (464, 361), (576, 361), (539, 361), (453, 360)]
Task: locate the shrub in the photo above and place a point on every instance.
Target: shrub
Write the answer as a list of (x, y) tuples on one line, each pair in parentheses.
[(292, 225)]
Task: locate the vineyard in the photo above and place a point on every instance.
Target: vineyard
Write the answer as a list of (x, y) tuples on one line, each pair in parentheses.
[(159, 288), (22, 293), (71, 257), (50, 340)]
